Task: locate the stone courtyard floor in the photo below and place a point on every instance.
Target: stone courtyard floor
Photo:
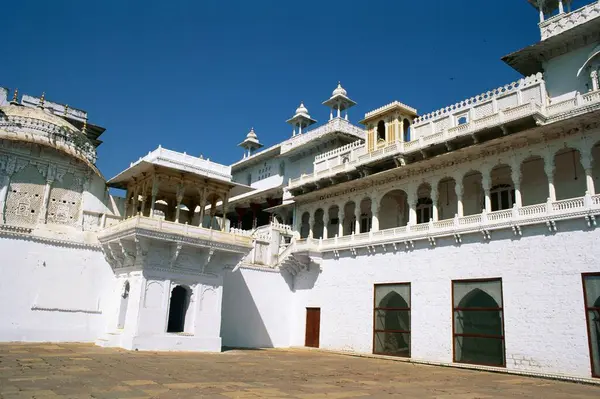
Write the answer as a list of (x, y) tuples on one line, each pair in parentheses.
[(87, 371)]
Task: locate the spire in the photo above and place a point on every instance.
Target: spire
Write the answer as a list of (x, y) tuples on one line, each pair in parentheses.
[(301, 119), (251, 143), (42, 100), (15, 99)]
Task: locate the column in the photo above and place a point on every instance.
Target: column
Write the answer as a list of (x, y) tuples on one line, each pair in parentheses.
[(225, 204), (586, 162), (51, 174), (202, 205), (434, 200), (4, 183), (144, 198), (549, 166), (325, 223), (136, 193), (179, 198), (311, 223), (515, 170), (486, 183), (155, 184), (459, 189), (357, 216), (594, 77), (126, 204), (375, 207), (341, 217), (561, 8), (412, 197), (339, 112)]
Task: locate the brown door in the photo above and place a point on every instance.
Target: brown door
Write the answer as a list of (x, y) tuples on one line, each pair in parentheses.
[(313, 323)]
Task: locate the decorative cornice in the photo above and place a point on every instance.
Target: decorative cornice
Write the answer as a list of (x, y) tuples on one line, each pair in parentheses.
[(25, 233)]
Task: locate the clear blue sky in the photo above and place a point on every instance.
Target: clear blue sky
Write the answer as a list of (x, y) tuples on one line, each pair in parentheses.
[(195, 76)]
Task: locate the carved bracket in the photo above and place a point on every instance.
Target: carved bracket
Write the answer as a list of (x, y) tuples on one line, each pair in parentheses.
[(517, 230), (175, 250), (591, 220), (551, 224)]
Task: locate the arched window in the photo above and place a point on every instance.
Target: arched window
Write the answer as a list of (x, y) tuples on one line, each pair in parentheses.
[(180, 301), (123, 305), (381, 131), (304, 226), (502, 196), (462, 120), (478, 322), (591, 290), (391, 330), (406, 132), (424, 210)]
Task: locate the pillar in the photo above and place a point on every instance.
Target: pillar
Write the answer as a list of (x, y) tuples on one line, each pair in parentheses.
[(4, 183), (136, 193), (561, 8), (357, 217), (126, 204), (154, 193), (341, 217), (375, 207), (325, 223), (311, 223), (459, 189), (594, 77), (179, 197), (586, 162), (486, 183), (225, 204), (143, 199), (434, 200), (412, 198), (339, 111), (515, 170), (549, 166), (203, 194)]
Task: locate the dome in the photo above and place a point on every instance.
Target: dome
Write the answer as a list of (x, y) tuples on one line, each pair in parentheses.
[(251, 135), (36, 113), (339, 90), (302, 110)]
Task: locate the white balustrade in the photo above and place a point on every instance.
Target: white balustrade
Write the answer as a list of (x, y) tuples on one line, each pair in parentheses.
[(565, 21)]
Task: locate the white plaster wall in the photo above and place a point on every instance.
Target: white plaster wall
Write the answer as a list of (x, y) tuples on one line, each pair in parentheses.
[(72, 284), (256, 309), (541, 279), (560, 74)]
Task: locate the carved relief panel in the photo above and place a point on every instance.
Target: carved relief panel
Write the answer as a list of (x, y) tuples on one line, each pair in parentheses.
[(65, 200), (25, 197)]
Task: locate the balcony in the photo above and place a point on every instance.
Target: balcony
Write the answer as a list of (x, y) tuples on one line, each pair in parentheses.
[(514, 107), (171, 231), (565, 21), (334, 125), (485, 223)]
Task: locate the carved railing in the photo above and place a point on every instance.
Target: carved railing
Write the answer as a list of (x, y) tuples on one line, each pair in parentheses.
[(334, 125), (162, 226), (49, 133), (565, 21), (182, 159), (514, 218)]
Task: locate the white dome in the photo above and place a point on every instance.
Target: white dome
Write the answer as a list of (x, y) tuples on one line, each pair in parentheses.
[(339, 90), (251, 134), (302, 110)]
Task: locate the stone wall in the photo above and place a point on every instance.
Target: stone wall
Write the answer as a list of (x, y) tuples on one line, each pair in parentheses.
[(52, 293)]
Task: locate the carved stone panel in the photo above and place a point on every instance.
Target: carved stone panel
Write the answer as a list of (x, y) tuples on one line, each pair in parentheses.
[(25, 197), (65, 200)]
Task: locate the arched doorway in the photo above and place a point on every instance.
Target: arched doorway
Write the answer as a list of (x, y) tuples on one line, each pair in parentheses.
[(391, 333), (591, 289), (406, 132), (478, 326), (381, 131), (123, 305), (180, 301)]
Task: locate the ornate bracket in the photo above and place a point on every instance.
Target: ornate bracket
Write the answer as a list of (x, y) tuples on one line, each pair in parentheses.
[(409, 244), (211, 252), (517, 230), (551, 226), (431, 241), (457, 238), (487, 235), (591, 220), (175, 250)]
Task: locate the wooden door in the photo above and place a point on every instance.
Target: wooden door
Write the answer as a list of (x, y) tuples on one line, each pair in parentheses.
[(313, 324)]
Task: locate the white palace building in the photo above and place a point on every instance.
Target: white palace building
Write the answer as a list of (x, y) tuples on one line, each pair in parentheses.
[(467, 236)]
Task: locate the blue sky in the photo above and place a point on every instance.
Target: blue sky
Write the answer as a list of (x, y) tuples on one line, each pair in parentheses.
[(195, 76)]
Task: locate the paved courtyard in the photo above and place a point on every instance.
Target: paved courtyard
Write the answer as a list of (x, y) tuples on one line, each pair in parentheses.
[(87, 371)]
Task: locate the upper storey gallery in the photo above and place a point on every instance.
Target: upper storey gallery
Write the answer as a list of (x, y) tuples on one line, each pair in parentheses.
[(560, 82)]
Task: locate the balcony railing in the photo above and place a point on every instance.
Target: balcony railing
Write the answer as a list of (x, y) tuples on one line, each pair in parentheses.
[(565, 21), (514, 218), (518, 100), (234, 236), (334, 125)]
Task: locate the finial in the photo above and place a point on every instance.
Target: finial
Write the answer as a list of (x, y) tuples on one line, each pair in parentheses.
[(66, 109), (15, 99), (42, 100), (84, 130)]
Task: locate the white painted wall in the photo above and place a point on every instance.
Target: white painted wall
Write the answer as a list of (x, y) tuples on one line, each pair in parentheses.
[(256, 309), (541, 279), (69, 283), (560, 74)]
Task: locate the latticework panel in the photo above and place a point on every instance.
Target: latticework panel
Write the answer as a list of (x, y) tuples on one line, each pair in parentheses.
[(25, 197), (508, 101), (483, 110), (65, 201)]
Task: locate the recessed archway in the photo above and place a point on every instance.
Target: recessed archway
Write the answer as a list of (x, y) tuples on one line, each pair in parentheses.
[(178, 306)]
